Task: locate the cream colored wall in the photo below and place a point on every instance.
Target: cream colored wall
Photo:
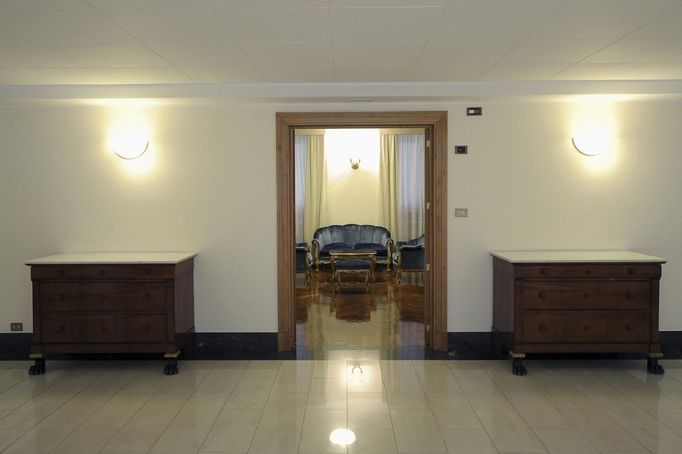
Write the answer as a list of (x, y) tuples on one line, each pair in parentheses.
[(352, 195), (212, 189)]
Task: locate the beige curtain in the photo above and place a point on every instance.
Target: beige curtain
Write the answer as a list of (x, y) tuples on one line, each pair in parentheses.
[(388, 192), (401, 174), (315, 182)]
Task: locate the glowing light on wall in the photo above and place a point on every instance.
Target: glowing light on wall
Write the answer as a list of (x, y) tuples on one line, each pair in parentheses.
[(130, 139), (359, 146), (594, 134)]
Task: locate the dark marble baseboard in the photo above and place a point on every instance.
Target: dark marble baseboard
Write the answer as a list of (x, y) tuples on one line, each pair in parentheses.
[(213, 346)]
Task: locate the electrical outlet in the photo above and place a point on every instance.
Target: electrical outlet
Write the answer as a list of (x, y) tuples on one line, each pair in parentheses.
[(474, 111), (461, 149), (461, 212), (16, 326)]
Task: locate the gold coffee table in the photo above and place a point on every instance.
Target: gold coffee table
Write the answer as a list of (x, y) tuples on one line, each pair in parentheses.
[(352, 262)]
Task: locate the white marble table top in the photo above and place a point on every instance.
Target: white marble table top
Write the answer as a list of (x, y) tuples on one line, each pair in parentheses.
[(113, 258), (575, 256)]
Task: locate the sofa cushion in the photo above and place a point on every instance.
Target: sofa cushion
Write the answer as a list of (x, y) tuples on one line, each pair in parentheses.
[(339, 246), (381, 250)]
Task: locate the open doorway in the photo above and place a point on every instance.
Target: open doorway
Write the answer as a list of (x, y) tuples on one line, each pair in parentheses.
[(432, 315), (360, 238)]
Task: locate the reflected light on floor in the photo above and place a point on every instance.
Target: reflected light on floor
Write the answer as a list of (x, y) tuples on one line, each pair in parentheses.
[(342, 437)]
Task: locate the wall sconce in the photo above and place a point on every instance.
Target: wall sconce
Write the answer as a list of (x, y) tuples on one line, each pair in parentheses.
[(130, 146), (355, 165), (593, 141)]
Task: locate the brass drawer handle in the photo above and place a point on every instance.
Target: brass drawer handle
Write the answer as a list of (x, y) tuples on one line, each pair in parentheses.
[(543, 328), (629, 328), (629, 295), (542, 295)]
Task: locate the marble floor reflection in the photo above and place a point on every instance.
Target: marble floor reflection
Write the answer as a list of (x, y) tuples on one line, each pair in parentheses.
[(385, 315), (376, 406)]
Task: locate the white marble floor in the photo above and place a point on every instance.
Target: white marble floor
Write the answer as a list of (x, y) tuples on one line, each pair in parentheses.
[(571, 407)]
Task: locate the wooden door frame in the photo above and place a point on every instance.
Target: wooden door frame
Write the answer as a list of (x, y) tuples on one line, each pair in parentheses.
[(435, 192)]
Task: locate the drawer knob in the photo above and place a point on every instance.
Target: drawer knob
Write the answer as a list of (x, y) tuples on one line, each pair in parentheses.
[(544, 271), (542, 295), (61, 328), (146, 297), (60, 297), (146, 328), (586, 328), (588, 272), (629, 328), (60, 272), (585, 296), (632, 270), (104, 329), (102, 273), (543, 328), (629, 295)]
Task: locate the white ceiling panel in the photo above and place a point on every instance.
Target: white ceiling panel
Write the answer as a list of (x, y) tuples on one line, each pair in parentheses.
[(386, 3), (178, 28), (21, 77), (621, 71), (223, 74), (44, 5), (633, 50), (666, 28), (402, 25), (528, 71), (125, 55), (288, 54), (554, 50), (372, 73), (201, 56), (297, 73), (161, 5), (371, 53), (446, 72), (474, 23), (273, 25), (458, 53), (76, 76), (603, 19), (36, 28)]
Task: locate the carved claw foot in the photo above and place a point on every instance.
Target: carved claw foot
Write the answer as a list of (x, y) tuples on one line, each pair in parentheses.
[(38, 368), (653, 367), (518, 367)]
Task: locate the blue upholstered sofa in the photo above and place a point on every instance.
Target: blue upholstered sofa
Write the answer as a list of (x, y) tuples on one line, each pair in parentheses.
[(409, 257), (352, 237)]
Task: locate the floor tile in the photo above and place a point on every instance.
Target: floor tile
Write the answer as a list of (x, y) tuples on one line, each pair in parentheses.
[(565, 441), (284, 411), (368, 411), (117, 411), (602, 430), (405, 393), (250, 393), (327, 394), (232, 431), (508, 430), (85, 440), (199, 411), (179, 441), (317, 426), (140, 433), (453, 411), (275, 441), (373, 442), (416, 432), (537, 411), (468, 441)]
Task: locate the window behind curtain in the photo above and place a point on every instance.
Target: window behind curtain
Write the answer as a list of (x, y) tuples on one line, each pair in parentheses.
[(410, 185), (301, 169)]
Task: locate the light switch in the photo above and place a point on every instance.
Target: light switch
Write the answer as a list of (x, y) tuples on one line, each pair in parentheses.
[(461, 212)]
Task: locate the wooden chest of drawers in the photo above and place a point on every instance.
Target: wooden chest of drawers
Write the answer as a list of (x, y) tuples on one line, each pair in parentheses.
[(112, 303), (576, 301)]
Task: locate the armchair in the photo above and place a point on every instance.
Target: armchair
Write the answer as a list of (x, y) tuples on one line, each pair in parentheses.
[(409, 257), (303, 261), (352, 237)]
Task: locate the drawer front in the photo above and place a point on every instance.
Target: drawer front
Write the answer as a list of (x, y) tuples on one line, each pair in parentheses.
[(587, 270), (586, 295), (91, 296), (568, 327), (59, 272), (102, 328)]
